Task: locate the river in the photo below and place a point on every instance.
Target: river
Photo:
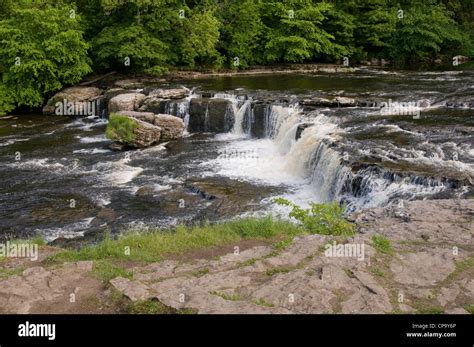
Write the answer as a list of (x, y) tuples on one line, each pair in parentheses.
[(60, 179)]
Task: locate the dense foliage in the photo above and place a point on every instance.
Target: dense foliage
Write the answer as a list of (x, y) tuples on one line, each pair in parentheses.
[(325, 219), (46, 44)]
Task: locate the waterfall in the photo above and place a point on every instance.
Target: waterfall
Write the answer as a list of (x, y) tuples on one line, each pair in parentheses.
[(240, 116), (313, 162), (239, 112), (280, 125), (207, 121)]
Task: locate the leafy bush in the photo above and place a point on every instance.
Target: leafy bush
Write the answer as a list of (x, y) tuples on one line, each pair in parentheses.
[(120, 128), (325, 219)]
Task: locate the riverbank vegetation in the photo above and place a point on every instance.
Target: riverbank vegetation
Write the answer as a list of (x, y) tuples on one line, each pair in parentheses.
[(156, 245), (48, 44)]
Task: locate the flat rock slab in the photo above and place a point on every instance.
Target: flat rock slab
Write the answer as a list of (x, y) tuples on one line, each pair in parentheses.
[(21, 293)]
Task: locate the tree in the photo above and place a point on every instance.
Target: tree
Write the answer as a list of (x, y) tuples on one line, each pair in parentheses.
[(41, 49), (425, 30), (242, 32), (294, 31)]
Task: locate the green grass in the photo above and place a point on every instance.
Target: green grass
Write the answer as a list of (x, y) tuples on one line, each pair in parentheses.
[(36, 240), (262, 302), (248, 262), (382, 244), (201, 272), (277, 270), (470, 309), (120, 128), (377, 272), (5, 273), (431, 310), (157, 245), (106, 270), (229, 297)]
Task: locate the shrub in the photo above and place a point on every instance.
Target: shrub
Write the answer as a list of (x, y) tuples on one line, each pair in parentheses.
[(325, 219)]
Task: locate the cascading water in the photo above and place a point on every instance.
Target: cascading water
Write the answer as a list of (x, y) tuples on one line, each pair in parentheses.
[(316, 159)]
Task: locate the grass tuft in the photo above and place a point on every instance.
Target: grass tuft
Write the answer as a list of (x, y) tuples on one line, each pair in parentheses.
[(120, 128), (382, 244)]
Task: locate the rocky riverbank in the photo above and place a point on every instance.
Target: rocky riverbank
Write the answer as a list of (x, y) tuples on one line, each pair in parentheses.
[(417, 257)]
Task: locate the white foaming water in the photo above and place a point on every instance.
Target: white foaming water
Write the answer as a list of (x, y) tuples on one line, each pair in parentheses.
[(239, 116), (281, 125), (43, 163), (92, 139), (68, 232), (91, 151), (86, 126), (12, 141), (241, 112), (118, 172), (279, 160)]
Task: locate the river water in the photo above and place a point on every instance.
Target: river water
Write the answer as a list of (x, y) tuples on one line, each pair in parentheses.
[(60, 179)]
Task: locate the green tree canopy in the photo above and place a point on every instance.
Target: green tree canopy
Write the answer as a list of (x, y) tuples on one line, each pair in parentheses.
[(41, 49)]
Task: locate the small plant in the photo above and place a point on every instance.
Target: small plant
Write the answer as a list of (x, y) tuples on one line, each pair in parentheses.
[(262, 302), (277, 270), (382, 244), (120, 128), (231, 297), (470, 309), (325, 219), (106, 270)]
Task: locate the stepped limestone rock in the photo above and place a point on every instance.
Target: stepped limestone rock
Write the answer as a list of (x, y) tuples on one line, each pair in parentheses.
[(152, 128), (126, 102), (74, 95), (338, 101), (177, 93)]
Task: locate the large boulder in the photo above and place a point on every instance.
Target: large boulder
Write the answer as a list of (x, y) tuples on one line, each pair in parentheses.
[(131, 131), (59, 103), (153, 104), (171, 127), (126, 102), (148, 117)]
